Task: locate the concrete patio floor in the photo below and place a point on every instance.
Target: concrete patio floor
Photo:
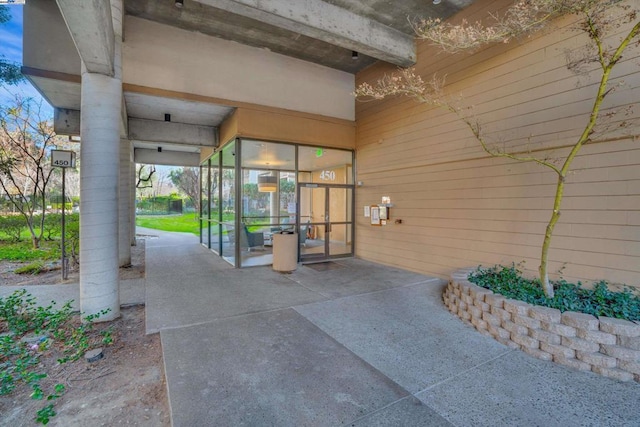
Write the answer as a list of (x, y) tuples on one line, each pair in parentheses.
[(347, 343), (356, 344)]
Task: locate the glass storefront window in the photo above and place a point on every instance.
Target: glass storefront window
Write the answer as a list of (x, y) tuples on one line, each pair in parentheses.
[(248, 206), (268, 197), (228, 202), (214, 198), (204, 204)]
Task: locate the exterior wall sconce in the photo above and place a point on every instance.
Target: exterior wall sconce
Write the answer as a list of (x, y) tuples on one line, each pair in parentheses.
[(354, 55), (179, 4), (267, 184), (159, 149)]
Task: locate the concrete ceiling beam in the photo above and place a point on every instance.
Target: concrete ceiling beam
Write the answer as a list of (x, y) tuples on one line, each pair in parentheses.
[(91, 28), (166, 157), (174, 133), (66, 122), (329, 23)]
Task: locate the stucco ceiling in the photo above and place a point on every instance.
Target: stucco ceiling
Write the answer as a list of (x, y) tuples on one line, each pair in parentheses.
[(216, 21)]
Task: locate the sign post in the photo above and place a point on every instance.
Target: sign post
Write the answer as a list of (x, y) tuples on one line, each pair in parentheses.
[(63, 159)]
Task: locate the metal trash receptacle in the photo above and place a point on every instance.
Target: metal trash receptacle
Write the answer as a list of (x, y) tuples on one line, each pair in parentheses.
[(285, 251)]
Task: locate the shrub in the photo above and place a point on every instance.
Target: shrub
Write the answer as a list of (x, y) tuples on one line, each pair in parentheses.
[(72, 237), (12, 226), (598, 301), (52, 226)]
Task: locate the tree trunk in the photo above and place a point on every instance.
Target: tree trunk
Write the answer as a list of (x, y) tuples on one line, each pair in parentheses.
[(35, 241), (547, 287)]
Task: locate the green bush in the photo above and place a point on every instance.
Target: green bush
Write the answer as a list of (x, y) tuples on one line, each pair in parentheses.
[(12, 226), (598, 301), (72, 237), (52, 225)]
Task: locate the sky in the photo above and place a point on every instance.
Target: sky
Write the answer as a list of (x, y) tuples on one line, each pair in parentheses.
[(11, 48)]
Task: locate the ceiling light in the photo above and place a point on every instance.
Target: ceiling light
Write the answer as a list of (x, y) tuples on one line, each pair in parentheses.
[(437, 1), (354, 54), (179, 3), (267, 184)]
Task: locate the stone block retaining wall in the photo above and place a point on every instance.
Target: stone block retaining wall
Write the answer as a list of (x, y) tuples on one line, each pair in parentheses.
[(606, 346)]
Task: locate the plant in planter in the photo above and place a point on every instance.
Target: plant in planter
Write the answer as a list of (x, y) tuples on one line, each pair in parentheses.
[(612, 28), (598, 301)]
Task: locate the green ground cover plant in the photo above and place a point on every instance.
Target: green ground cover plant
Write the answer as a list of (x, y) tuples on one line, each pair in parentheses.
[(598, 300), (29, 332), (23, 251), (186, 223), (35, 267)]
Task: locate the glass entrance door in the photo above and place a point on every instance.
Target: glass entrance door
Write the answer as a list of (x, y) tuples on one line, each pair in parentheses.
[(326, 221)]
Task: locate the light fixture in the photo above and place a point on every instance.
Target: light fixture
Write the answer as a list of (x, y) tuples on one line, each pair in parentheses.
[(167, 117), (437, 1), (267, 183), (159, 149), (354, 54), (179, 4)]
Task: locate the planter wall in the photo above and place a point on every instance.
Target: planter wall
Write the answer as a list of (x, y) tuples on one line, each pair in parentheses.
[(606, 346)]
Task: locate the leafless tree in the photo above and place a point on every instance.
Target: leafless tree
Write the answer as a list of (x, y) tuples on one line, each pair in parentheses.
[(187, 180), (25, 171), (596, 18)]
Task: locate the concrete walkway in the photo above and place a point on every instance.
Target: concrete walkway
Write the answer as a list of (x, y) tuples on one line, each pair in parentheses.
[(347, 343)]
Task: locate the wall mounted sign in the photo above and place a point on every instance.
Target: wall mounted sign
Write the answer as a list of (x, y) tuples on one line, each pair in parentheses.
[(375, 215), (383, 213)]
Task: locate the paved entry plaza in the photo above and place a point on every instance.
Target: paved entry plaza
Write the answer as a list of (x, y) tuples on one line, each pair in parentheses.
[(346, 343)]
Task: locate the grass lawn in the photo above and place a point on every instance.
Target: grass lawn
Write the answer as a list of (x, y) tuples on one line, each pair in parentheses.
[(185, 223)]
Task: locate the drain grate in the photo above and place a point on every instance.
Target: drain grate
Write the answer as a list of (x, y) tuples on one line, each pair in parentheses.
[(325, 266)]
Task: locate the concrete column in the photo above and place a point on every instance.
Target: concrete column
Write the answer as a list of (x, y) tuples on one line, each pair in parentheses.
[(124, 221), (101, 115), (132, 197), (100, 132)]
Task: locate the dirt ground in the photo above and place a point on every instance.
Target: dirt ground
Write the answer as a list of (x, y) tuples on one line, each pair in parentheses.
[(54, 275), (126, 387)]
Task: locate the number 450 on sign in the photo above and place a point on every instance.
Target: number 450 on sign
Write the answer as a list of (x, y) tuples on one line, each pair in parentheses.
[(63, 158)]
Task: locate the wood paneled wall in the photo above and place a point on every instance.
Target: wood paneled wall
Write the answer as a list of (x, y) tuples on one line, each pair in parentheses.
[(459, 207)]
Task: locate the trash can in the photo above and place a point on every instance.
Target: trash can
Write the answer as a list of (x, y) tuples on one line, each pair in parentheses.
[(285, 251)]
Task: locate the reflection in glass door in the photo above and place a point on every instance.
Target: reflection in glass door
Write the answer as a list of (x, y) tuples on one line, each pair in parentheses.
[(326, 221)]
